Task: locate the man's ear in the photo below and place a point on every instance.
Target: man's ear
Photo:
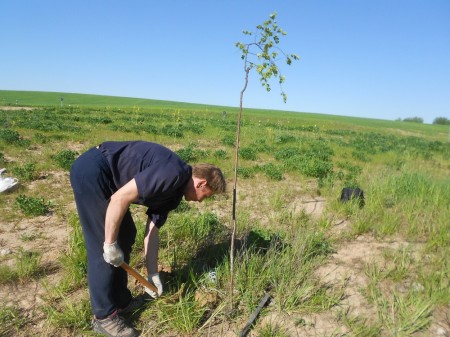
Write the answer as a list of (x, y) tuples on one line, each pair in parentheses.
[(201, 183)]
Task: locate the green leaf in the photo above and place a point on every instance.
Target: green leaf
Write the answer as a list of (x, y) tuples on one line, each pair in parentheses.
[(269, 36)]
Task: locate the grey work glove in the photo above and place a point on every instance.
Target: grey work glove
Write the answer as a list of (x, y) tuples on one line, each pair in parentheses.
[(155, 279), (113, 254)]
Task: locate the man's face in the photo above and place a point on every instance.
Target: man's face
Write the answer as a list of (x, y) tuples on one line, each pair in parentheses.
[(198, 191)]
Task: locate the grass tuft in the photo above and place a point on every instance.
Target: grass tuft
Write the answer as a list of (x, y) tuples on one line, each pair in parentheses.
[(33, 206), (11, 320)]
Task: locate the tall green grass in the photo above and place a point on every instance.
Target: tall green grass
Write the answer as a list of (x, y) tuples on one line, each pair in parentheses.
[(11, 320), (74, 259), (27, 265), (408, 202)]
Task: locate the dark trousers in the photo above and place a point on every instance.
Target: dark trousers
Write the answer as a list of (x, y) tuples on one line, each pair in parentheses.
[(92, 184)]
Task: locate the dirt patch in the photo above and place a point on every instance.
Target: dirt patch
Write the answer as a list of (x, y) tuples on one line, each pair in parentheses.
[(290, 196), (345, 270), (295, 324), (404, 132), (16, 108), (310, 205), (440, 326), (46, 235)]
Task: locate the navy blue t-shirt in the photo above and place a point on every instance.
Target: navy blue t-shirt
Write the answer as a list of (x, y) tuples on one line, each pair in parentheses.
[(161, 176)]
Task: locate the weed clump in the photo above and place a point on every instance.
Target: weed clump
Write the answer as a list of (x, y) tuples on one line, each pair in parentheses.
[(12, 137), (33, 206), (70, 314), (220, 154), (25, 172), (228, 140), (248, 153), (191, 154), (272, 171), (186, 234), (74, 258), (11, 320), (245, 172), (27, 265), (172, 131), (65, 158)]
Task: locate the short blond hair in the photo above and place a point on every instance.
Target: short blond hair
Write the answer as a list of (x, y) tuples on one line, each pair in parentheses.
[(213, 176)]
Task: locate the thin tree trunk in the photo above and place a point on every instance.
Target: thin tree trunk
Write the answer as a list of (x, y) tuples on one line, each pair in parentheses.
[(236, 158)]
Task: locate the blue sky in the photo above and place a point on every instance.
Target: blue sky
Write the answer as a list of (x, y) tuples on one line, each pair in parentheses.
[(383, 59)]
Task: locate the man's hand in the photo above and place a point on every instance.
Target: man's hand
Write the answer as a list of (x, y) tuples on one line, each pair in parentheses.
[(154, 278), (113, 254)]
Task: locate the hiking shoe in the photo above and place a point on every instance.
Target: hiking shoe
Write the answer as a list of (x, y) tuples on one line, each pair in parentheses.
[(113, 326), (135, 304)]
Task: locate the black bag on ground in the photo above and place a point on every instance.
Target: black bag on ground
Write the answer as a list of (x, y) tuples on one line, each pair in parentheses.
[(348, 194)]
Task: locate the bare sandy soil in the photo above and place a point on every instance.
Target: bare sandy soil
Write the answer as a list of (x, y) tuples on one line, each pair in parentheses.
[(16, 108)]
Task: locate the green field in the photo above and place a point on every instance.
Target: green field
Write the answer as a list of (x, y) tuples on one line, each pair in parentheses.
[(36, 98), (33, 98), (330, 268)]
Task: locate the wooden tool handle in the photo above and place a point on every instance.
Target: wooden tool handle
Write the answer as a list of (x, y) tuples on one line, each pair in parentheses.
[(138, 277)]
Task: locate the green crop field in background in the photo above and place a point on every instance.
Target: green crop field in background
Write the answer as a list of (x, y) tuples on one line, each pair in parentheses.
[(33, 98)]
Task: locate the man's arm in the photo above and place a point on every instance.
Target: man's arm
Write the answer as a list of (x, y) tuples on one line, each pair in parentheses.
[(151, 247), (118, 206)]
